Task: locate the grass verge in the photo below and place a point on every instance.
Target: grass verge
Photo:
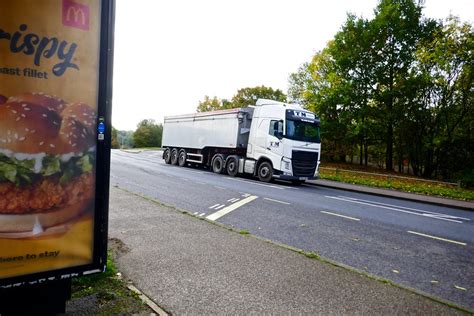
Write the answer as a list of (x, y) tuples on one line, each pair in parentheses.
[(105, 294), (388, 180)]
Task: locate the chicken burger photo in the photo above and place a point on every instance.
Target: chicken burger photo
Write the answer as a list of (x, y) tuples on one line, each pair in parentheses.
[(47, 163)]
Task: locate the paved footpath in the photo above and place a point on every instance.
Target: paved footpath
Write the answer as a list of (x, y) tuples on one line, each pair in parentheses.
[(189, 266)]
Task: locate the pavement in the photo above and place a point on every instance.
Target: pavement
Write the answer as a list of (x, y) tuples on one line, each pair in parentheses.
[(187, 265)]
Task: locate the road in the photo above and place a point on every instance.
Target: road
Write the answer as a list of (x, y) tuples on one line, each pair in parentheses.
[(421, 246)]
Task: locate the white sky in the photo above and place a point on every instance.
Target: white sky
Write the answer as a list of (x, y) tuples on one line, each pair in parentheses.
[(170, 54)]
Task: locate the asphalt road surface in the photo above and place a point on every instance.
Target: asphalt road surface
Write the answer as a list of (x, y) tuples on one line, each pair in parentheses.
[(421, 246)]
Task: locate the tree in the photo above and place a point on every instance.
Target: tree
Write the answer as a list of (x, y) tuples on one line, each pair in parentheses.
[(248, 96), (319, 88), (115, 143), (397, 86), (213, 104), (243, 98), (446, 63), (148, 134), (125, 139), (396, 31), (351, 53)]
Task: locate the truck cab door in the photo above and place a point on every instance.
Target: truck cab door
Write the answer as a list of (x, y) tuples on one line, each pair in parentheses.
[(274, 142)]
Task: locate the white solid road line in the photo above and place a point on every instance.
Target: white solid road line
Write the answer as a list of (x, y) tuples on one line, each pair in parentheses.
[(255, 183), (438, 238), (343, 216), (231, 208), (398, 209), (276, 201), (434, 214)]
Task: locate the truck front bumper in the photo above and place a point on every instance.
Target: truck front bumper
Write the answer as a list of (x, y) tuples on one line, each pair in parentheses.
[(290, 178)]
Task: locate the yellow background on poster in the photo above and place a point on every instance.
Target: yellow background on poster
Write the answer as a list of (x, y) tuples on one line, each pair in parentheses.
[(68, 69)]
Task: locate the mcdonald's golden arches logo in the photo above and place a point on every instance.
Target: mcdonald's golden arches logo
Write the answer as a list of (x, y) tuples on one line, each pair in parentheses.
[(75, 15)]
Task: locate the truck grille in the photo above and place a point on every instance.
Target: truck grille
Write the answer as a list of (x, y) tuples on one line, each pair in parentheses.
[(304, 163)]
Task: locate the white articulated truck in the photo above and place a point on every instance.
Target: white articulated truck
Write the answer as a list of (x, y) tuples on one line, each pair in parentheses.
[(269, 140)]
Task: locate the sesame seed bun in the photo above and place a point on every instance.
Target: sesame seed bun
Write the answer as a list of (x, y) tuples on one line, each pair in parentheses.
[(34, 123)]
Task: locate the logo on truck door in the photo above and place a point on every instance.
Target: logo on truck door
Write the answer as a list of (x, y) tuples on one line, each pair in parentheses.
[(274, 144)]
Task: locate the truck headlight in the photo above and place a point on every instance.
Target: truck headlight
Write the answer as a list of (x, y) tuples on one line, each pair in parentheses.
[(286, 163)]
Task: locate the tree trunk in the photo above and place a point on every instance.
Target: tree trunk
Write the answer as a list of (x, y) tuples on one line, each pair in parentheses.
[(366, 153)]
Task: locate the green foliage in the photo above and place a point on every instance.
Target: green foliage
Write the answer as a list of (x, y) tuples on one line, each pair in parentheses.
[(213, 104), (243, 98), (115, 143), (389, 181), (111, 292), (121, 139), (248, 96), (311, 255), (125, 139), (148, 134), (467, 179), (395, 90)]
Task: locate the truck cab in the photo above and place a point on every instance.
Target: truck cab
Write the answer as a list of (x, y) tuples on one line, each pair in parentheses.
[(284, 142)]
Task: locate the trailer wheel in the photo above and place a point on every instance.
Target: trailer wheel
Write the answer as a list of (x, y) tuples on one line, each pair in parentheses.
[(218, 164), (182, 158), (232, 166), (265, 172), (167, 156), (174, 156)]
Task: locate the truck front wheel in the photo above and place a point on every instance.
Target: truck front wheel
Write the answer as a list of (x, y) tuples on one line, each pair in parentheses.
[(265, 172), (174, 156)]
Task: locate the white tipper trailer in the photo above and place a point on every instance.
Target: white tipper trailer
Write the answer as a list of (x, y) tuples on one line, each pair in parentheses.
[(269, 140)]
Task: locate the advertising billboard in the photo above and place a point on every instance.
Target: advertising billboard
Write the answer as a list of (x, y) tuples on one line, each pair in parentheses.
[(55, 79)]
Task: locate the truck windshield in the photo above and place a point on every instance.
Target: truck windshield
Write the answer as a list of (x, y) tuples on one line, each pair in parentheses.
[(302, 131)]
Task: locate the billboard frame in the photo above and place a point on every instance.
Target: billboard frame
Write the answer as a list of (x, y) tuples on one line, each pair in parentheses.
[(104, 114)]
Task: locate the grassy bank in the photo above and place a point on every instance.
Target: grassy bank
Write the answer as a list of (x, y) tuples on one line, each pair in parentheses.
[(390, 180), (105, 294)]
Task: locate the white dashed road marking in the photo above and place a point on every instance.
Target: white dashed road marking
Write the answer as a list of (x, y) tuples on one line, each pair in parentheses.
[(438, 238), (276, 201), (343, 216), (255, 183)]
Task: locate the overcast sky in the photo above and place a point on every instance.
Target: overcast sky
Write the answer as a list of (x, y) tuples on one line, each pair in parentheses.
[(170, 54)]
